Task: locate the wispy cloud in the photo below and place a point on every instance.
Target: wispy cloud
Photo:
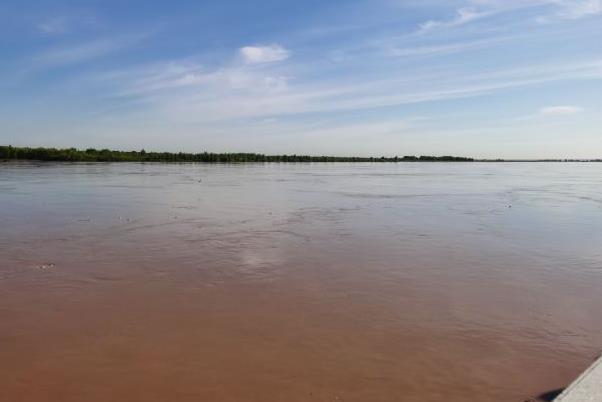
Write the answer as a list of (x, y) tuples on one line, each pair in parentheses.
[(69, 22), (551, 11), (548, 113), (442, 49), (81, 52), (263, 54), (157, 80), (558, 9), (562, 110), (463, 16), (186, 91), (572, 10), (53, 26)]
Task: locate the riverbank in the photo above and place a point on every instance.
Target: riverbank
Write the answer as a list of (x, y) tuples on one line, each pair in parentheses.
[(107, 155)]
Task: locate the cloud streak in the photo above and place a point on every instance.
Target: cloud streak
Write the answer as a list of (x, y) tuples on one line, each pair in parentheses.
[(463, 17), (186, 91), (263, 54), (563, 110), (572, 10), (443, 49), (53, 26), (552, 11), (82, 52)]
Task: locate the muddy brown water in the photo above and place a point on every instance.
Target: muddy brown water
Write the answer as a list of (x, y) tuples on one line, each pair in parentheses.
[(297, 282)]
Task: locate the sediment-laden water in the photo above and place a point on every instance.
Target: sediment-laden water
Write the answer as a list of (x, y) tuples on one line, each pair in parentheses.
[(297, 282)]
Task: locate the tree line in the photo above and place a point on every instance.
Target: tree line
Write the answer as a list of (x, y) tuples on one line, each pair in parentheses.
[(107, 155)]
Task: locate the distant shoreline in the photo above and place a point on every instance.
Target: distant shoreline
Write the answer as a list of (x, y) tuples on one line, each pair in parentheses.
[(8, 153)]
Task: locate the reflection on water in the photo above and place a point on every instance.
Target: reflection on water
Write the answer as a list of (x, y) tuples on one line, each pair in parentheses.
[(297, 282)]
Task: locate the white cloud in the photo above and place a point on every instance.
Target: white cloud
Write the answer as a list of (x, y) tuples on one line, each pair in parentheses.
[(264, 54), (562, 110)]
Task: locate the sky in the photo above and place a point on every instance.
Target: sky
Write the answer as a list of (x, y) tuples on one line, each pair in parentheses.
[(479, 78)]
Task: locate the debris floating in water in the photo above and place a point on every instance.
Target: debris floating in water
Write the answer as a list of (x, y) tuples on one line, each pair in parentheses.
[(47, 266)]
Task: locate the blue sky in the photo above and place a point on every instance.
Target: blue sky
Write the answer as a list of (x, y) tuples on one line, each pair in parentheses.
[(482, 78)]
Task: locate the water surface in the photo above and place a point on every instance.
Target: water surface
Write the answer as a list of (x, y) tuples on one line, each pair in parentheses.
[(297, 282)]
